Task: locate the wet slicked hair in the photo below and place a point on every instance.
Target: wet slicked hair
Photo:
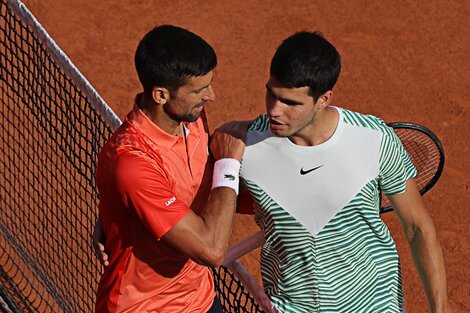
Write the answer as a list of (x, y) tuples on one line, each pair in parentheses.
[(306, 59), (168, 56)]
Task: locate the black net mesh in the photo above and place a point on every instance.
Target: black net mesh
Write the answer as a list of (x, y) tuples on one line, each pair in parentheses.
[(232, 294), (48, 151), (50, 138)]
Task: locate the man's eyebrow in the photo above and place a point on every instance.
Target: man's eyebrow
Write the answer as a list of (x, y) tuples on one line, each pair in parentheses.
[(286, 101), (206, 85), (290, 102)]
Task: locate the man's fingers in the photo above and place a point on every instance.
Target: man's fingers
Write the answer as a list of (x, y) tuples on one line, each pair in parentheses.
[(104, 257), (101, 255), (100, 247)]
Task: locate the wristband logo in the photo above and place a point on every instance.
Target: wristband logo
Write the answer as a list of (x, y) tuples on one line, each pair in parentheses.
[(229, 176), (173, 199)]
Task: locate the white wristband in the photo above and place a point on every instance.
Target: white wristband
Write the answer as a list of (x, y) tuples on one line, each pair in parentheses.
[(226, 174)]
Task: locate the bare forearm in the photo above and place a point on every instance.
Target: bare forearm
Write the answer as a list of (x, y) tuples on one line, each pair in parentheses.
[(422, 237), (427, 254), (218, 219), (211, 229)]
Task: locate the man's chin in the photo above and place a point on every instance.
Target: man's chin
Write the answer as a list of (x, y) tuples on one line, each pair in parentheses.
[(192, 117), (278, 132)]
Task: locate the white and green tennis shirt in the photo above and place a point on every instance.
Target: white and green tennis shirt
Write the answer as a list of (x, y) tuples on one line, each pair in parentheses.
[(326, 249)]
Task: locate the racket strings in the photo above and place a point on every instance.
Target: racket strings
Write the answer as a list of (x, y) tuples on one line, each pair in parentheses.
[(424, 154)]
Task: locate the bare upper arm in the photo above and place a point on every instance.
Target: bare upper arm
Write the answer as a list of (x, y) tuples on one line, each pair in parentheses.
[(410, 208)]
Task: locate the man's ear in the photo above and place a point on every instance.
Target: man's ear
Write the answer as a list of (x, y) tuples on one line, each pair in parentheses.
[(160, 95), (325, 99)]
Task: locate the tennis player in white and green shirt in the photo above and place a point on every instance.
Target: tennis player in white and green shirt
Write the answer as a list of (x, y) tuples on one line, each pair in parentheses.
[(314, 173)]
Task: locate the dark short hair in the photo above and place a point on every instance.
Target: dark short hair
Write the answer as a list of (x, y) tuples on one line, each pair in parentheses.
[(306, 59), (167, 56)]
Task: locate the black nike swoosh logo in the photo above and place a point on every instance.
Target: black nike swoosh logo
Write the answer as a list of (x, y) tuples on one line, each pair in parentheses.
[(302, 172)]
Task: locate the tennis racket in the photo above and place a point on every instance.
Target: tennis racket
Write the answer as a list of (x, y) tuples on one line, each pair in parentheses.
[(426, 153)]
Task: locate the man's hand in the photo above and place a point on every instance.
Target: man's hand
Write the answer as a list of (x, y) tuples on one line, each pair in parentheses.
[(228, 141), (98, 244)]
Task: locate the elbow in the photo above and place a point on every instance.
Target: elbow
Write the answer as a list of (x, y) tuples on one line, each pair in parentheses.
[(216, 258), (417, 232), (212, 257)]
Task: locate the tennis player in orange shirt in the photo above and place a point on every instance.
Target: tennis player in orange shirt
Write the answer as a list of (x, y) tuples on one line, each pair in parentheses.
[(165, 213)]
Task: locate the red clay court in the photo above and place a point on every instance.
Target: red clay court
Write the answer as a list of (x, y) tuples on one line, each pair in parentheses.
[(402, 61)]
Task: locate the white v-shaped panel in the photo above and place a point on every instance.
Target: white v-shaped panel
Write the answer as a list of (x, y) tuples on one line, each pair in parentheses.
[(313, 183)]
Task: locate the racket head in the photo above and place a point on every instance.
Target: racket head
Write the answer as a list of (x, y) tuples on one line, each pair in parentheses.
[(426, 153)]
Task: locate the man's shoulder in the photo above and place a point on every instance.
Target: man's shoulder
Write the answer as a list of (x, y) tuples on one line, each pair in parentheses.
[(127, 152), (125, 134), (359, 119), (261, 123), (127, 139)]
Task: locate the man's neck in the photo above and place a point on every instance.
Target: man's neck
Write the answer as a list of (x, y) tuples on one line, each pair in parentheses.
[(322, 128), (158, 116)]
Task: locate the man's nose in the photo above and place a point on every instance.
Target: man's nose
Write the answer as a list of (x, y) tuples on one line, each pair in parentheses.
[(210, 94), (273, 107)]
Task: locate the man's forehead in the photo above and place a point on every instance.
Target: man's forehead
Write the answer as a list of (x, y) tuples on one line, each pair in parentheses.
[(274, 84)]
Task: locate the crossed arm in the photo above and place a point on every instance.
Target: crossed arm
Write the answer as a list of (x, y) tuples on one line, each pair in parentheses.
[(203, 237)]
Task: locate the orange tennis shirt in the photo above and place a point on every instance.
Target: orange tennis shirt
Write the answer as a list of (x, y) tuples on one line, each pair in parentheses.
[(148, 180)]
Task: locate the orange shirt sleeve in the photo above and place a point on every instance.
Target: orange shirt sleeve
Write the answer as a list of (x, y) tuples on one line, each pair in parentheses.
[(145, 188)]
